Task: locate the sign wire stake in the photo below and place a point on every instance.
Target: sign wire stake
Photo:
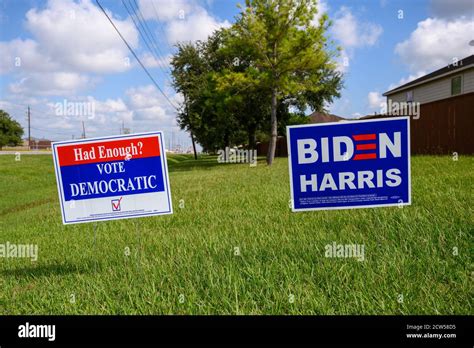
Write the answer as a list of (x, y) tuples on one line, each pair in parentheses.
[(95, 244), (139, 255)]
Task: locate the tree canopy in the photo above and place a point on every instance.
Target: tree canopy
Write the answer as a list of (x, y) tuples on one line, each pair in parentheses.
[(10, 131), (261, 74)]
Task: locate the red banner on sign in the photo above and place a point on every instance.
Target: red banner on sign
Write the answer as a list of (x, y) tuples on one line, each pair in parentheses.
[(108, 151)]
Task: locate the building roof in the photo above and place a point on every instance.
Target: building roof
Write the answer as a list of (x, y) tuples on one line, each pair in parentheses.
[(449, 69), (319, 117)]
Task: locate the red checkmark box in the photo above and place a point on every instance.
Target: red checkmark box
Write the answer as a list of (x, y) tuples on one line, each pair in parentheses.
[(116, 206)]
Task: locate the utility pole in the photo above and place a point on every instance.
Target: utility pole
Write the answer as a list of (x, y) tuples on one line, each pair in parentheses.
[(29, 129), (83, 130)]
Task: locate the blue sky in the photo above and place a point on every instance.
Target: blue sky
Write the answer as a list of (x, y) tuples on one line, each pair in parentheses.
[(66, 51)]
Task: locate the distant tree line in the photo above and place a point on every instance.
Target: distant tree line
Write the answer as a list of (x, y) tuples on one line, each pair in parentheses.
[(246, 83), (10, 131)]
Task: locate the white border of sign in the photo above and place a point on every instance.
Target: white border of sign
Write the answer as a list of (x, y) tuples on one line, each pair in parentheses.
[(99, 139), (406, 118)]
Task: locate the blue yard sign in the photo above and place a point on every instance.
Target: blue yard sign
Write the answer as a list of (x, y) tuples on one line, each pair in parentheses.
[(360, 164)]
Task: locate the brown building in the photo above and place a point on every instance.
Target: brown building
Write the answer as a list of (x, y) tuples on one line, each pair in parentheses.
[(38, 144), (445, 98), (320, 117), (280, 149)]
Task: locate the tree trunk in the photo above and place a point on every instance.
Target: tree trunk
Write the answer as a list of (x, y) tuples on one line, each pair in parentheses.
[(190, 126), (252, 138), (274, 126), (194, 146), (226, 146)]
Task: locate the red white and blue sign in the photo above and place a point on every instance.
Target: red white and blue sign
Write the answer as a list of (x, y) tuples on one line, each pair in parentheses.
[(112, 177), (343, 165)]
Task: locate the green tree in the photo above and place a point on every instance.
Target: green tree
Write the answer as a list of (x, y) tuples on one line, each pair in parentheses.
[(10, 131), (247, 101), (217, 116), (291, 58), (203, 109), (188, 68)]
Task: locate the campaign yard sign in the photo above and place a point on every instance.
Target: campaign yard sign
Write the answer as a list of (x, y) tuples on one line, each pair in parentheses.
[(358, 164), (112, 177)]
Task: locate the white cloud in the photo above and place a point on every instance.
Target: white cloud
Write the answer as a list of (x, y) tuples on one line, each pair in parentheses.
[(61, 124), (23, 55), (143, 109), (451, 9), (166, 10), (110, 113), (109, 105), (407, 79), (353, 33), (375, 99), (71, 42), (343, 62), (69, 36), (143, 97), (79, 37), (411, 77), (323, 8), (184, 20), (55, 83), (435, 43), (198, 26), (151, 62), (148, 104)]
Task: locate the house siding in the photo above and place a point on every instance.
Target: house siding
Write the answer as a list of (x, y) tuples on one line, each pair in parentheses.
[(437, 89), (444, 126), (468, 81), (398, 97)]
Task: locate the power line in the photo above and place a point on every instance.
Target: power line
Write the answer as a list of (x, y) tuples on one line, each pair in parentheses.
[(161, 26), (147, 29), (136, 57), (144, 35), (48, 131)]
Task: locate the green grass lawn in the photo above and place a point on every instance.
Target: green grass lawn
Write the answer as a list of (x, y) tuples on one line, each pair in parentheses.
[(187, 263)]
